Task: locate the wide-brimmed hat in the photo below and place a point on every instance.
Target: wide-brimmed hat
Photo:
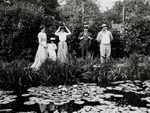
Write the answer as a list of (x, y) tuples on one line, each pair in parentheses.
[(104, 25)]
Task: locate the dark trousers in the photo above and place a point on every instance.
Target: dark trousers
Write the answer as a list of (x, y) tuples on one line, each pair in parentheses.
[(84, 51), (84, 45)]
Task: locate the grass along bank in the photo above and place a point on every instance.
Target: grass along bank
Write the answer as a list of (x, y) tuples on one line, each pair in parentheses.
[(15, 75)]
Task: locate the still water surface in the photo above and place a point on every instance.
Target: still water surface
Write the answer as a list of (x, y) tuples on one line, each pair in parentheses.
[(119, 97)]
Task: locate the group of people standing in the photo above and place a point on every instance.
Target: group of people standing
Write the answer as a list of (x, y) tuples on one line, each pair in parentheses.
[(48, 50)]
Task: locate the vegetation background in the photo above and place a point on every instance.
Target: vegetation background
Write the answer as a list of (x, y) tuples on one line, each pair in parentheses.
[(20, 21), (19, 25)]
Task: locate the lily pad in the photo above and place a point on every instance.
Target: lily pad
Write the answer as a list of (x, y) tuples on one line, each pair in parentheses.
[(79, 102), (26, 95), (5, 110), (29, 103), (118, 96)]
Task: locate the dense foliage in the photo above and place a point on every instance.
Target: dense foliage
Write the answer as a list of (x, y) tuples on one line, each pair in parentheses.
[(17, 74), (76, 12), (136, 16), (19, 26), (138, 36)]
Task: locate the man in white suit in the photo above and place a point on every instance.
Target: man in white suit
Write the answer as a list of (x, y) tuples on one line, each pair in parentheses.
[(105, 37)]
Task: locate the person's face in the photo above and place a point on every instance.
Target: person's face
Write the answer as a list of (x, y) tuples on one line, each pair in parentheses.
[(43, 30), (62, 30), (85, 30), (104, 28)]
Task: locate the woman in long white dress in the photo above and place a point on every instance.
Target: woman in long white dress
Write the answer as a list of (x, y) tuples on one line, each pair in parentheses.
[(42, 53), (62, 45), (52, 49)]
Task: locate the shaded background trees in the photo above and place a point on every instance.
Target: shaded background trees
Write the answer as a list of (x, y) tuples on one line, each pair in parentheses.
[(136, 24), (20, 21), (138, 27)]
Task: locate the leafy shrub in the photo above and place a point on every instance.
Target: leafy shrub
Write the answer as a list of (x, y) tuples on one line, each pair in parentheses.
[(118, 45), (75, 71), (137, 36), (17, 74), (103, 73), (11, 74), (56, 73), (135, 68)]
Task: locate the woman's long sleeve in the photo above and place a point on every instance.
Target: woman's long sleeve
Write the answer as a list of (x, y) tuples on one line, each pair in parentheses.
[(68, 31), (56, 33)]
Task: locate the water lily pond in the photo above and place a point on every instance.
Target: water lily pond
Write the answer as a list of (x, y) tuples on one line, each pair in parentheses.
[(119, 97)]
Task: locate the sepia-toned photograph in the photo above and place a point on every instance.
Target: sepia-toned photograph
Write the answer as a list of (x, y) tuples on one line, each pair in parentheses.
[(74, 56)]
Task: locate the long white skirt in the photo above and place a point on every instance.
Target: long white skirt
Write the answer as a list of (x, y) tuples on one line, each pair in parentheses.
[(62, 52), (40, 57)]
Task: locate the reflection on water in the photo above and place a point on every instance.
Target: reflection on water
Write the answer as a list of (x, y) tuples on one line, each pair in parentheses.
[(123, 97)]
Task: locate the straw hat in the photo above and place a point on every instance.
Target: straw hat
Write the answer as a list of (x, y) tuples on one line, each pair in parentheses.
[(104, 25)]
